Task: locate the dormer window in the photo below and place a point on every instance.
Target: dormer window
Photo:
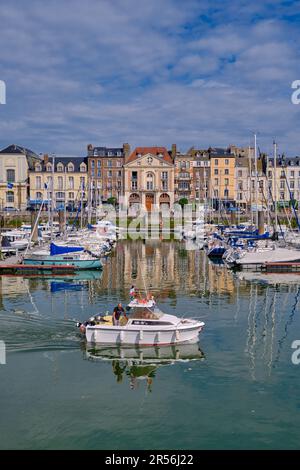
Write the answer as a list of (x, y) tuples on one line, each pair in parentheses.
[(95, 153), (70, 167), (83, 167), (38, 167), (60, 167), (49, 167)]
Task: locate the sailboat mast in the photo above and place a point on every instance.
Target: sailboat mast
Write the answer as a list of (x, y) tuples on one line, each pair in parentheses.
[(256, 181), (52, 195), (250, 183), (275, 183)]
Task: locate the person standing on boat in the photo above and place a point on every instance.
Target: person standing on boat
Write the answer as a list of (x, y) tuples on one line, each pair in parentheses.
[(132, 293), (117, 313)]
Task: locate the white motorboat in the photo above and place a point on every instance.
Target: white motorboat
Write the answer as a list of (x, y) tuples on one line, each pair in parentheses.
[(261, 256), (146, 326)]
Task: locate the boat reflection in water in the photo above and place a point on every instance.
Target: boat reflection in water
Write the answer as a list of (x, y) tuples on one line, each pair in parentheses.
[(140, 364)]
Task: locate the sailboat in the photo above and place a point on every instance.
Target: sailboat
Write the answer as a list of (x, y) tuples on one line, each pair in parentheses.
[(63, 256)]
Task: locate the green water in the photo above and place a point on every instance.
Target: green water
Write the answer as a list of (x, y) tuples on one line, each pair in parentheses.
[(237, 390)]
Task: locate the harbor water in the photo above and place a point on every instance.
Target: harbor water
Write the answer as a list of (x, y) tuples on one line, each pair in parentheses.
[(237, 389)]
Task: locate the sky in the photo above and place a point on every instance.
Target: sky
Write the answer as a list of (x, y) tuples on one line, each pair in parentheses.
[(191, 72)]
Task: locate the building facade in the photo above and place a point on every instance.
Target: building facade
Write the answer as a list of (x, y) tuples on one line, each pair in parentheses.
[(183, 166), (106, 172), (149, 178), (200, 175), (15, 163), (222, 176), (68, 179)]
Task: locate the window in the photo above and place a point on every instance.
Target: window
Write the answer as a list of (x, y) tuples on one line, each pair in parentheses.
[(164, 175), (216, 172), (118, 163), (71, 182), (261, 184), (38, 182), (134, 184), (282, 173), (109, 163), (38, 167), (226, 192), (49, 167), (134, 175), (71, 195), (82, 182), (216, 162), (60, 196), (150, 181), (183, 165), (216, 193), (270, 174), (70, 167), (83, 167), (119, 184), (39, 196), (10, 176), (282, 196), (10, 196), (226, 171), (109, 174), (240, 185), (240, 196), (282, 184), (60, 182), (216, 181), (98, 163), (292, 174), (60, 167), (98, 173), (92, 163), (119, 173), (226, 162), (240, 173), (226, 181), (165, 185), (292, 184)]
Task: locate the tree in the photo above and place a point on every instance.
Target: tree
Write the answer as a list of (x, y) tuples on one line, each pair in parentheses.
[(183, 201), (112, 200)]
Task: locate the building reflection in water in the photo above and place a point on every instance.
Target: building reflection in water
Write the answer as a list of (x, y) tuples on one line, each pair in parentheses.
[(140, 365)]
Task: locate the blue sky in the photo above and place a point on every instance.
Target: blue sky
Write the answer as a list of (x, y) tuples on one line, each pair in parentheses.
[(192, 72)]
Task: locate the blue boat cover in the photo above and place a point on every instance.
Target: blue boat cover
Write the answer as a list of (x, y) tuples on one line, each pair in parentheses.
[(60, 250)]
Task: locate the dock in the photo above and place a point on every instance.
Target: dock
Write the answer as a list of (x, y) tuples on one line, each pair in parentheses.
[(288, 267), (17, 269)]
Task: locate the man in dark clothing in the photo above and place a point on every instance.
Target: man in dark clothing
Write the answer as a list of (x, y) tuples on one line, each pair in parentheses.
[(118, 311)]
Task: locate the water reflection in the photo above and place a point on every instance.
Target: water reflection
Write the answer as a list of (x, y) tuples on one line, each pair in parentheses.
[(141, 364)]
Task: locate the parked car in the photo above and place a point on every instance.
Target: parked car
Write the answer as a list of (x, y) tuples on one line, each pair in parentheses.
[(10, 209)]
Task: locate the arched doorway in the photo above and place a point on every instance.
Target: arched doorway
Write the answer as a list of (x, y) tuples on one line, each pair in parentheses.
[(164, 201), (134, 198), (149, 201)]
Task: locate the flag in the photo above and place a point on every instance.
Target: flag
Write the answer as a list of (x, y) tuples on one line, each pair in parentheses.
[(45, 185), (10, 185)]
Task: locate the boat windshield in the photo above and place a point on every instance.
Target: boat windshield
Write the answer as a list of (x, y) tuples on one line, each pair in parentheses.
[(145, 313)]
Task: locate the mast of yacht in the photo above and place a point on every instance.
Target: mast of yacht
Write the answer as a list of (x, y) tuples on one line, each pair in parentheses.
[(256, 181), (250, 183), (52, 196), (274, 184)]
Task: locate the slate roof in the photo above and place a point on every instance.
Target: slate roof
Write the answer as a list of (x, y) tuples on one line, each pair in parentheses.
[(106, 152), (14, 149), (65, 160)]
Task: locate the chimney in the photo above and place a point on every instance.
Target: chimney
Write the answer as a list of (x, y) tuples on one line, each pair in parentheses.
[(126, 150), (89, 150), (174, 151), (46, 158)]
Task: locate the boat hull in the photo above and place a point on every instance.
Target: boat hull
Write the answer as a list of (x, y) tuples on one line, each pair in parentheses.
[(77, 263), (146, 337)]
